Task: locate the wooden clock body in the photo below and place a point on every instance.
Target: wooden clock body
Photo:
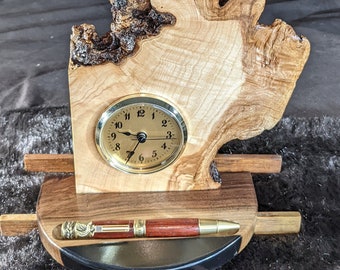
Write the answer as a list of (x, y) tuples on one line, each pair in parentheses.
[(228, 76)]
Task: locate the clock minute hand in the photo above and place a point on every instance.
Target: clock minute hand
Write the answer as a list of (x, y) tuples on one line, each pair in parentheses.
[(161, 138), (157, 138), (131, 153), (141, 137)]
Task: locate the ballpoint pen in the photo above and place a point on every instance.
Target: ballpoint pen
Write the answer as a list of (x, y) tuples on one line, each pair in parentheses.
[(172, 227)]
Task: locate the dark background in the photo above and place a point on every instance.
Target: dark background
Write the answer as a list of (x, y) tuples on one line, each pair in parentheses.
[(34, 116)]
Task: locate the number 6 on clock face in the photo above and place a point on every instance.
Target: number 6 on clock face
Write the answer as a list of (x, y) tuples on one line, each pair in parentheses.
[(140, 134)]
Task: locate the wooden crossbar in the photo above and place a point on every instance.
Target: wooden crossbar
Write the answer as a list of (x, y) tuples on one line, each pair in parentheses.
[(225, 163)]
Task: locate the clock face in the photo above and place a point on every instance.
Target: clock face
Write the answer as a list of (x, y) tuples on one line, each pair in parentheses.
[(140, 134)]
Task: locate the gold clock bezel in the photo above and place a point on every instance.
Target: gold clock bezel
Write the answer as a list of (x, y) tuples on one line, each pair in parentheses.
[(140, 100)]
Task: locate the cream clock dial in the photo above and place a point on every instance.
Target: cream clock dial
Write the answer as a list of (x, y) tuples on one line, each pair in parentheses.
[(140, 134)]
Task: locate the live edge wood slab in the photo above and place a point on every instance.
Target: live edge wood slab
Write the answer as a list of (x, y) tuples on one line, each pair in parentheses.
[(229, 77)]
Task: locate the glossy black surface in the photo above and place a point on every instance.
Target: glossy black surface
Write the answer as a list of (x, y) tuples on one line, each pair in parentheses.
[(189, 253)]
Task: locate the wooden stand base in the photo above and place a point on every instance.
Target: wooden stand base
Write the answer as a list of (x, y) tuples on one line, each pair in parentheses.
[(235, 201), (58, 202)]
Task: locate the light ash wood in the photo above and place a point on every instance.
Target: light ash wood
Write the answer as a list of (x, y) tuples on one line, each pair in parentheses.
[(228, 76), (225, 163), (277, 222), (17, 224), (248, 163)]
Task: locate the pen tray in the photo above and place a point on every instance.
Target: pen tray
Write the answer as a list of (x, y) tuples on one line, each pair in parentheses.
[(235, 201)]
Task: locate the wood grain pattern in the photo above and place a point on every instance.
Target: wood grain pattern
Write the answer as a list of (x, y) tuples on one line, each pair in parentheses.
[(49, 163), (277, 222), (17, 224), (224, 163), (229, 77), (235, 201), (42, 29), (173, 227), (248, 163)]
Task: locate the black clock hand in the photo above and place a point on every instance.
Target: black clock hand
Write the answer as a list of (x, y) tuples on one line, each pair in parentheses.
[(157, 138), (141, 137), (127, 133), (131, 153), (161, 138)]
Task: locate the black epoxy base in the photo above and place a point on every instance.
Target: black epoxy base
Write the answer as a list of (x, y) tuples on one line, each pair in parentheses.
[(189, 253)]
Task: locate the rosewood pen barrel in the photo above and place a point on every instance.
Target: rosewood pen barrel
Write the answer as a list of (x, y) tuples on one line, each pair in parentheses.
[(146, 228), (172, 227)]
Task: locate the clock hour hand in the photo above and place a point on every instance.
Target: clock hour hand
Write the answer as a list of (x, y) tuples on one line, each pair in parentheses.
[(127, 133)]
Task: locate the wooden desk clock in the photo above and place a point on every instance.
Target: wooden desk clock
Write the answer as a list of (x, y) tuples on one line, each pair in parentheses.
[(151, 104)]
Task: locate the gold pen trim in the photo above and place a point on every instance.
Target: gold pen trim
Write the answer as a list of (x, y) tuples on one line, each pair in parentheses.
[(209, 226), (75, 230), (139, 228)]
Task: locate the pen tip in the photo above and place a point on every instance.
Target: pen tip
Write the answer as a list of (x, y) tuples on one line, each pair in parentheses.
[(224, 227), (227, 227)]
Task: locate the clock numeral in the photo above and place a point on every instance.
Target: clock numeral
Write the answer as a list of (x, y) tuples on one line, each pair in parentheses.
[(154, 153), (141, 158), (113, 136), (118, 125), (141, 113), (117, 146), (127, 116), (164, 123), (169, 135), (153, 116), (164, 146)]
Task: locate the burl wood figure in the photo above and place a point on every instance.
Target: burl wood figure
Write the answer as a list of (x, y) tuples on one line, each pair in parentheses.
[(180, 78), (228, 76)]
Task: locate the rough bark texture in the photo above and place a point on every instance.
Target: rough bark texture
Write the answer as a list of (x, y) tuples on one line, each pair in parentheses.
[(132, 20)]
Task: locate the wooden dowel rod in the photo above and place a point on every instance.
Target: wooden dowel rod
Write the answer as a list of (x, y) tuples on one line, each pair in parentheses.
[(266, 223), (249, 163), (225, 163), (277, 223), (17, 224), (49, 163)]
